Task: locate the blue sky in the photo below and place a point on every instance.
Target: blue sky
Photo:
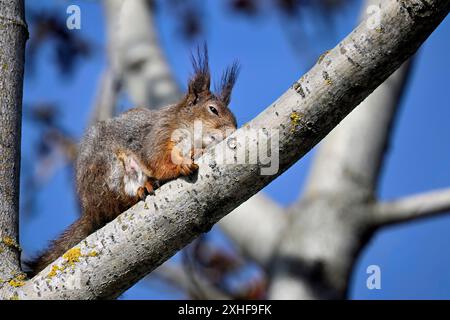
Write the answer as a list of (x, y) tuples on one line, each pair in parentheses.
[(413, 257)]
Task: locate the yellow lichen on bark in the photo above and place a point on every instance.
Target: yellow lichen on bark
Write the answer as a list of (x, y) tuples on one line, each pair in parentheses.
[(15, 296), (92, 254), (72, 256), (9, 241), (54, 270), (296, 119), (16, 283)]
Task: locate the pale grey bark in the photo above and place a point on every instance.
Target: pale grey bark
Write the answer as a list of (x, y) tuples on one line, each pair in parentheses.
[(13, 35), (412, 207), (357, 158), (116, 256), (135, 54)]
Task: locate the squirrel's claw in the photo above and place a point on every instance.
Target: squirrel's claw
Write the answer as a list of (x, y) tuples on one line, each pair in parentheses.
[(141, 194), (149, 187), (156, 184), (194, 166), (188, 169), (144, 191)]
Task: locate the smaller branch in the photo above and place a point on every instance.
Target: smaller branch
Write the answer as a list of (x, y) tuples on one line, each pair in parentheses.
[(412, 207)]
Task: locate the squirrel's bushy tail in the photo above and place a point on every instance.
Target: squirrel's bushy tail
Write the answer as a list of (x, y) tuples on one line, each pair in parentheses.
[(76, 232)]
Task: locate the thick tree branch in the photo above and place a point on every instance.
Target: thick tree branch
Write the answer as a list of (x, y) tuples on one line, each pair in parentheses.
[(412, 207), (112, 259), (13, 35)]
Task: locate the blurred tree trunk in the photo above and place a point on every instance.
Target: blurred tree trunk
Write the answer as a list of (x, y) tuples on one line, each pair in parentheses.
[(137, 66), (13, 35), (136, 55)]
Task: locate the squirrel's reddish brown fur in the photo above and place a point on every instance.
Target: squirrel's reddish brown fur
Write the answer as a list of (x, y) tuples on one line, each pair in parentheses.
[(122, 159)]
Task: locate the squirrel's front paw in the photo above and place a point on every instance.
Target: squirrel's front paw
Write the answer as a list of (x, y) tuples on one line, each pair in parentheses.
[(187, 169)]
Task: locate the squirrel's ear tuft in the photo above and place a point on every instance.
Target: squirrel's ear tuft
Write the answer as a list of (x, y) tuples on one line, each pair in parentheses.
[(227, 83), (200, 82)]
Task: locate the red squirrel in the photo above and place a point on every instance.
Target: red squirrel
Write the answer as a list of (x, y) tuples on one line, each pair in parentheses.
[(123, 159)]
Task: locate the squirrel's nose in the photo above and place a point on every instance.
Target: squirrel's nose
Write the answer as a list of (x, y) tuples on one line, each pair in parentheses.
[(229, 130)]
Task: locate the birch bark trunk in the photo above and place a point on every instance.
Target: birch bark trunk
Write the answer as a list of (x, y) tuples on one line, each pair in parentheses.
[(13, 35)]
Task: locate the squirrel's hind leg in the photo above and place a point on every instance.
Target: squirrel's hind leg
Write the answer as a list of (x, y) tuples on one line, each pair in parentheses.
[(135, 180)]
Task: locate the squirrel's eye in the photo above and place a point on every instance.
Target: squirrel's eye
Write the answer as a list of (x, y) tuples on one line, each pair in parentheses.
[(213, 110)]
